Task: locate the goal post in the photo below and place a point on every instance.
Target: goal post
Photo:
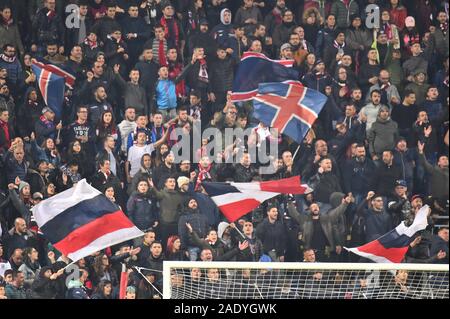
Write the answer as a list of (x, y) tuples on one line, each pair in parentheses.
[(250, 280)]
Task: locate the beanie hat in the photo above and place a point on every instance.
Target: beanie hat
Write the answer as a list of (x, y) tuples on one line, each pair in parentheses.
[(22, 185), (182, 180)]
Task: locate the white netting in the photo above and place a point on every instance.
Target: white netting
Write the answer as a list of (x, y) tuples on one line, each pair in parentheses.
[(304, 281)]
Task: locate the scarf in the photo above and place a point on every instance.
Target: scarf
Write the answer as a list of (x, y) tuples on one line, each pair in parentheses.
[(444, 28), (203, 173), (7, 58), (192, 22), (51, 14), (388, 30), (162, 53), (338, 46), (5, 128), (155, 135), (203, 73), (276, 12), (176, 69), (171, 29), (47, 123), (156, 48), (7, 23), (92, 44)]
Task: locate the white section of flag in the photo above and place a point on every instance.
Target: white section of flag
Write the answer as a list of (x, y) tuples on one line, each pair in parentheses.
[(52, 207)]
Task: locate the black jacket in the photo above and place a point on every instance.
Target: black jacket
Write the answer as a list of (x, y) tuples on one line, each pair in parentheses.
[(198, 222), (383, 182), (45, 30), (272, 236), (222, 74)]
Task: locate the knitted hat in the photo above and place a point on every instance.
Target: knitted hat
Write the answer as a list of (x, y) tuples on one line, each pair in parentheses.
[(182, 180), (410, 22), (22, 185)]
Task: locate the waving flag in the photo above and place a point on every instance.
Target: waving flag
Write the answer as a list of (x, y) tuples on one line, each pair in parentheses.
[(392, 247), (237, 199), (61, 71), (290, 108), (51, 87), (81, 221), (256, 68)]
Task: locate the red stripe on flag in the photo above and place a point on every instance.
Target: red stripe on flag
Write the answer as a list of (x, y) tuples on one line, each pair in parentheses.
[(236, 210), (395, 255), (86, 234), (43, 81), (290, 185)]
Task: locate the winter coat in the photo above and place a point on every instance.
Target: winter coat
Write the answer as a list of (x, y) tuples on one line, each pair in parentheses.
[(45, 30), (142, 211), (273, 236), (133, 95), (10, 35), (324, 185), (357, 176), (343, 12), (222, 74), (198, 222), (169, 201), (384, 179), (439, 178), (357, 37), (382, 136), (327, 221), (377, 223)]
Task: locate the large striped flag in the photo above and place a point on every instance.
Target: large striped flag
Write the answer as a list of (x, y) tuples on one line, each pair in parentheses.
[(81, 221), (237, 199), (392, 247), (51, 87), (66, 73), (256, 68), (290, 108)]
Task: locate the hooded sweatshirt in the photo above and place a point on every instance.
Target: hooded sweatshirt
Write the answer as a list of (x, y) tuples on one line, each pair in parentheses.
[(221, 32), (382, 135)]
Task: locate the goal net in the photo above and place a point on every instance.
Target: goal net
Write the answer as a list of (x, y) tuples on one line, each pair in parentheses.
[(236, 280)]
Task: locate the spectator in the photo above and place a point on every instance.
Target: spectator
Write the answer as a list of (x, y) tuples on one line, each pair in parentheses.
[(433, 105), (439, 244), (383, 134), (378, 222), (6, 131), (385, 175), (418, 86), (325, 35), (342, 10), (439, 174), (141, 207), (199, 223), (30, 267), (248, 14), (405, 114), (369, 72), (317, 228), (406, 159), (47, 26), (16, 289), (272, 233), (358, 174), (134, 93), (371, 111), (399, 205), (45, 128), (9, 31), (166, 97), (325, 182), (282, 32)]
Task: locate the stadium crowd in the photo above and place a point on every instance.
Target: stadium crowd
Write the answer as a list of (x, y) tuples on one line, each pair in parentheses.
[(377, 153)]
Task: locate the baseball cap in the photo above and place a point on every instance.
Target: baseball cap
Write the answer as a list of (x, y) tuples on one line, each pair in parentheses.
[(401, 182), (38, 195), (416, 197)]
